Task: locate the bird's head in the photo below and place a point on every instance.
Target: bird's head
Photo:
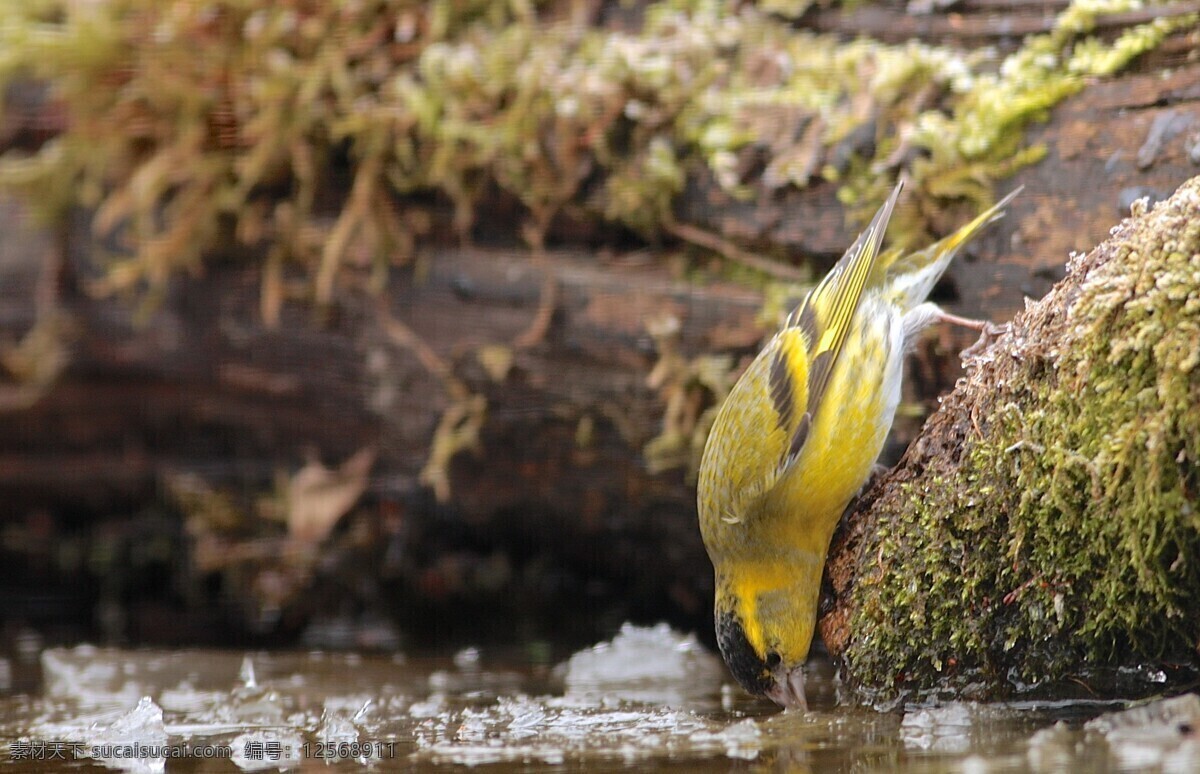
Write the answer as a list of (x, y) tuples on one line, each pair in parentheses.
[(764, 638)]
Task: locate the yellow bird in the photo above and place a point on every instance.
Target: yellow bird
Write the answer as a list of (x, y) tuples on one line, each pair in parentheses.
[(796, 439)]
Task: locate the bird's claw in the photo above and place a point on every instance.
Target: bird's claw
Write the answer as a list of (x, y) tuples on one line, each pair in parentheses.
[(988, 334)]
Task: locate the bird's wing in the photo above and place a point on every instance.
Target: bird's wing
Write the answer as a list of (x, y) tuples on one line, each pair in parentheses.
[(826, 315), (765, 420), (762, 424), (789, 386)]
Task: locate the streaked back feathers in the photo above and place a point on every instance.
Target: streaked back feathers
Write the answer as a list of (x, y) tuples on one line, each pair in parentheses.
[(825, 316)]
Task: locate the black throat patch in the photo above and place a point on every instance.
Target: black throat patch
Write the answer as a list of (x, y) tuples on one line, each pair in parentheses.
[(752, 672)]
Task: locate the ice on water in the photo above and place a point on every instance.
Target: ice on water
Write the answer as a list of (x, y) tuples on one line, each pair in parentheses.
[(551, 730), (78, 674), (638, 696), (102, 701), (130, 741), (141, 727), (647, 696), (944, 728), (652, 665), (623, 700)]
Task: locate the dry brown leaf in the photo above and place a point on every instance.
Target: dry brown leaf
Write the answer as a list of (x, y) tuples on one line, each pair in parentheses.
[(318, 497)]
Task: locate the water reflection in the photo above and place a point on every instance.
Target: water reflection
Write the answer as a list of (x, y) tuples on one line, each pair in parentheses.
[(650, 697)]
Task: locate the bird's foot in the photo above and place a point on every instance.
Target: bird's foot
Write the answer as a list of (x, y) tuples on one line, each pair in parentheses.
[(965, 322), (987, 335)]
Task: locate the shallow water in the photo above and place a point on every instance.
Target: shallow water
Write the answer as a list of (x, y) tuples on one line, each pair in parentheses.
[(649, 699)]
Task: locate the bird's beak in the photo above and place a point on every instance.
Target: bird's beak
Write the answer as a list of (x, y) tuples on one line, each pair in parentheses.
[(788, 690)]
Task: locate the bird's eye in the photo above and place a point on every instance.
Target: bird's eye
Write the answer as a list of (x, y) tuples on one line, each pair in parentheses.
[(773, 660)]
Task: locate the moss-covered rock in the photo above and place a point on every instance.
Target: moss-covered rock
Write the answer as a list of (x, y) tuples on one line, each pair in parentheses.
[(1048, 520)]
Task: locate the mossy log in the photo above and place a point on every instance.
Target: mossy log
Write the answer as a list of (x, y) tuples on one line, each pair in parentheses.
[(1046, 523), (549, 500)]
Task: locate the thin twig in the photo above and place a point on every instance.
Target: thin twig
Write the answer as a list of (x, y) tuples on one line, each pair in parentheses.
[(699, 236), (547, 303), (406, 337)]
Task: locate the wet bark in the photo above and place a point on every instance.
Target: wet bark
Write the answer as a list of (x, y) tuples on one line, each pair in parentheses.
[(556, 485)]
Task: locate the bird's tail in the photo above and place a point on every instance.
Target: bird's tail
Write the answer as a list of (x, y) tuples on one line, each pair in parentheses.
[(909, 278)]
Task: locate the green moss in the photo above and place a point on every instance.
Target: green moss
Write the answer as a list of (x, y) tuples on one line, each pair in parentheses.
[(981, 138), (1069, 536)]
